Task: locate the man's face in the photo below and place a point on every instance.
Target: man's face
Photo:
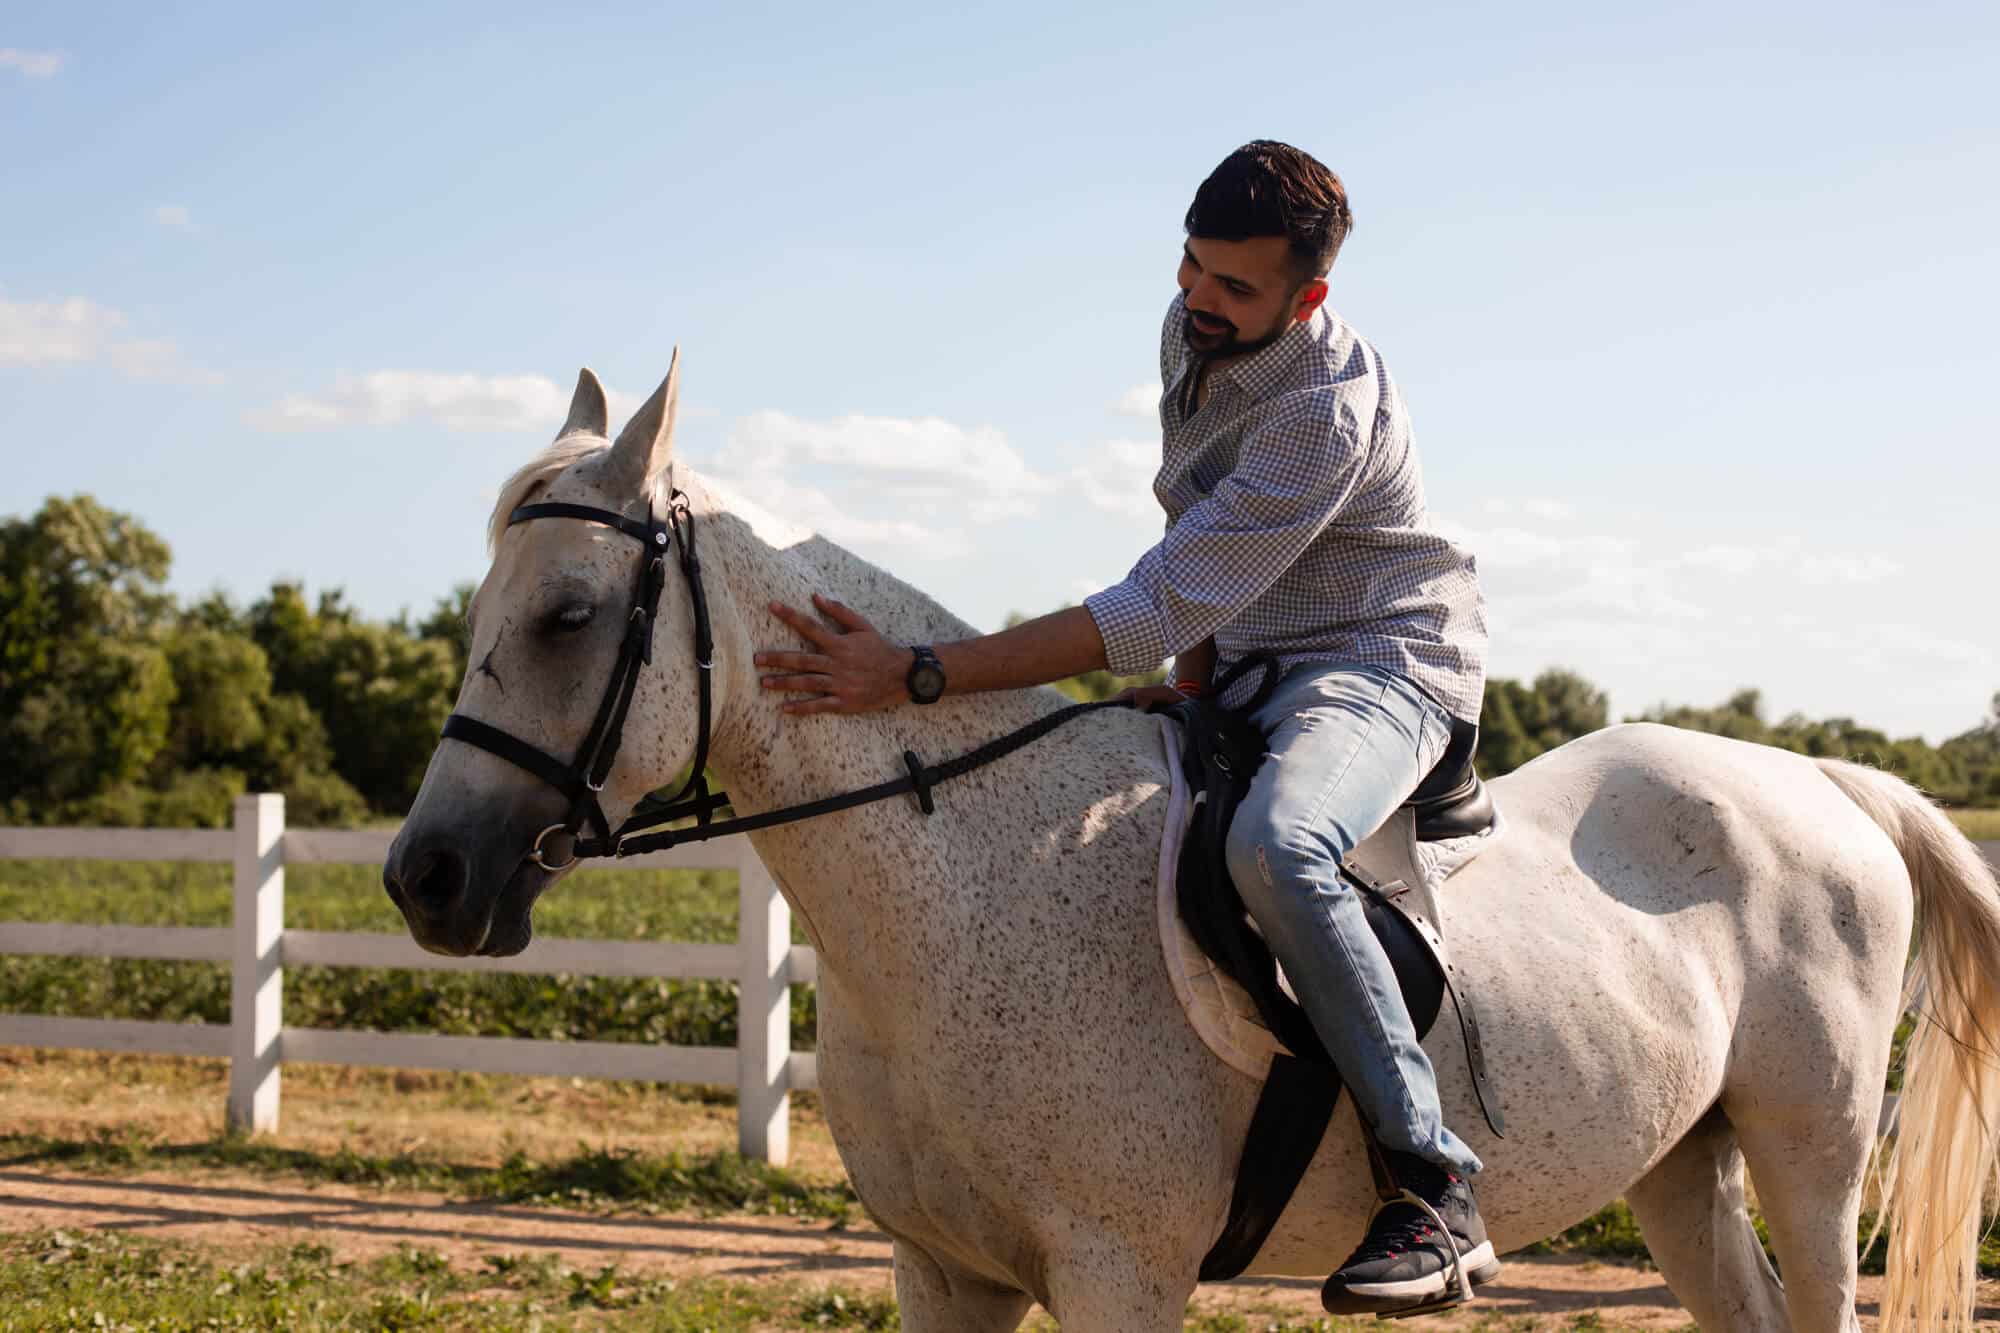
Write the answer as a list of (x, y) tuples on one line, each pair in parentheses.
[(1242, 294)]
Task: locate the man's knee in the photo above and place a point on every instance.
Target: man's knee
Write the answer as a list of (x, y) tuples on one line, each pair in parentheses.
[(1263, 860)]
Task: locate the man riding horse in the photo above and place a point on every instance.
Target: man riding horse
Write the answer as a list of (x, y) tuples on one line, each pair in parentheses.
[(1297, 528)]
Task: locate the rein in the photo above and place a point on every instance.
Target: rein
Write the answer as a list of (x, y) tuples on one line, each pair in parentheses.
[(584, 777)]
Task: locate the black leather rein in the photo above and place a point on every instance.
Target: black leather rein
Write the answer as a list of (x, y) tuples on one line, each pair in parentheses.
[(583, 778)]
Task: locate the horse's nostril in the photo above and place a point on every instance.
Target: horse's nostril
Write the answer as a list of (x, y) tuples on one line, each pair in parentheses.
[(433, 882)]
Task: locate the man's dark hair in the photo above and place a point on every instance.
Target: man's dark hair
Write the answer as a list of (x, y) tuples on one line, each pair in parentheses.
[(1266, 188)]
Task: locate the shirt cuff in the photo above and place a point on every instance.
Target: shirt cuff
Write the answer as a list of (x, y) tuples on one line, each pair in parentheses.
[(1130, 629)]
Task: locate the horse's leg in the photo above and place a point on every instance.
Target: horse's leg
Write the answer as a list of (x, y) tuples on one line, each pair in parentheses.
[(1806, 1097), (934, 1299), (1690, 1207), (1104, 1290), (1809, 1173)]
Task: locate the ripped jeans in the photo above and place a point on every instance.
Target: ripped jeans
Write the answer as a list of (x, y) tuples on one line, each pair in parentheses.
[(1347, 745)]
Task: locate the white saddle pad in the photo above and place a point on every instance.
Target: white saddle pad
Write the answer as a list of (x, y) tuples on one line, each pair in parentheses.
[(1222, 1011)]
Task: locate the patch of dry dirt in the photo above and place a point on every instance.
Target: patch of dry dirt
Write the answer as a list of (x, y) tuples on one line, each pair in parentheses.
[(474, 1119), (479, 1119), (239, 1212)]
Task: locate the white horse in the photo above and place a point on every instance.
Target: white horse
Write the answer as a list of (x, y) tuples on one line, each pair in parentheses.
[(1690, 953)]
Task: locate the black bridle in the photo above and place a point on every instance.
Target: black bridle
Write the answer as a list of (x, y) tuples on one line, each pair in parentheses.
[(584, 777)]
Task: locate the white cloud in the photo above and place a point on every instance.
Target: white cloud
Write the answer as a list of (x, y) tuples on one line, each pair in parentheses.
[(1117, 477), (902, 463), (1141, 400), (75, 331), (832, 513), (455, 401), (1552, 510), (1870, 567), (45, 333), (390, 397), (1788, 557), (890, 486), (173, 215), (34, 64)]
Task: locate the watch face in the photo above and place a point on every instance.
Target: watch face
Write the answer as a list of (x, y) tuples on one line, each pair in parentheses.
[(926, 681)]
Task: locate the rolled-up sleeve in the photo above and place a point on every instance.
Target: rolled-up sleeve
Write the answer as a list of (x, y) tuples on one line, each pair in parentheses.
[(1296, 468)]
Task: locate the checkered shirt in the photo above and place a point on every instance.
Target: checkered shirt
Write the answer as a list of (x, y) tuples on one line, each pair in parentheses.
[(1296, 524)]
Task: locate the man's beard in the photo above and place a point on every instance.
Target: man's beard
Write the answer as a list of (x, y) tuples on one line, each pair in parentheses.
[(1228, 343)]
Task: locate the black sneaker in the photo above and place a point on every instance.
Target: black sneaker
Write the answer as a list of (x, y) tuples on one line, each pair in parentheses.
[(1405, 1265)]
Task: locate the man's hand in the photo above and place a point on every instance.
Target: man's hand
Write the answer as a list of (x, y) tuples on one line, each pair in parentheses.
[(853, 670), (1146, 698)]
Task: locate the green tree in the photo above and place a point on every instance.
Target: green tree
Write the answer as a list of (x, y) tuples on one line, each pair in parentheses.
[(447, 624), (231, 733), (1961, 771), (381, 692), (117, 709), (1518, 722), (84, 686)]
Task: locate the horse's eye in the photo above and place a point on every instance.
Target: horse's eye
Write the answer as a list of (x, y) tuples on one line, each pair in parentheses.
[(571, 618)]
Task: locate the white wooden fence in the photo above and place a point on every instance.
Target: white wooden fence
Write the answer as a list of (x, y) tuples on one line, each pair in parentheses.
[(257, 946), (763, 962)]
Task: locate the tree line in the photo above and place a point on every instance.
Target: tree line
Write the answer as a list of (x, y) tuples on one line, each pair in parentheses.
[(120, 706)]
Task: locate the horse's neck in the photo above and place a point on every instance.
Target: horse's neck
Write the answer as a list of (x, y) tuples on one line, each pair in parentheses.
[(849, 875)]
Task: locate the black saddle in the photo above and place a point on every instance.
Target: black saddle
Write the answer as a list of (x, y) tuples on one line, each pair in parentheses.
[(1451, 801), (1221, 752)]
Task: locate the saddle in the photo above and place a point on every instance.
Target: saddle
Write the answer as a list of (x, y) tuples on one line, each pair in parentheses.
[(1221, 750)]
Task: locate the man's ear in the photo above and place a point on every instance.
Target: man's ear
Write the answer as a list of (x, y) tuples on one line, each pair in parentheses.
[(1311, 297)]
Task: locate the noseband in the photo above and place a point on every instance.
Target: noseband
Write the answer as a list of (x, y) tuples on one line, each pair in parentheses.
[(583, 778)]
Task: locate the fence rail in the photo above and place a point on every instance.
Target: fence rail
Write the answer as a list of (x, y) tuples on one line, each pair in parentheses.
[(763, 962)]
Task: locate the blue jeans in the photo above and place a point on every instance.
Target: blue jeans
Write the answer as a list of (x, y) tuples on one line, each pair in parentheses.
[(1347, 745)]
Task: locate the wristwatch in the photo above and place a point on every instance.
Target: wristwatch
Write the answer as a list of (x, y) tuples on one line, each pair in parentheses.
[(926, 678)]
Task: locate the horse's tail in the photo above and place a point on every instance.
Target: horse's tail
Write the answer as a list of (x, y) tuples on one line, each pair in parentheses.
[(1935, 1176)]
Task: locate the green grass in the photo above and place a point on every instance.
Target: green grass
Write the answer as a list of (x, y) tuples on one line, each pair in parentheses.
[(591, 1179), (63, 1280), (84, 1282), (1979, 825), (697, 905), (694, 905)]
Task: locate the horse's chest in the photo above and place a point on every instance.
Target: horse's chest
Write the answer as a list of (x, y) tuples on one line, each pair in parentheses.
[(901, 1126)]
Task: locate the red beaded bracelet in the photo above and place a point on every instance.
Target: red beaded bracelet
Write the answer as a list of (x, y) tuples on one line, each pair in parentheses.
[(1191, 688)]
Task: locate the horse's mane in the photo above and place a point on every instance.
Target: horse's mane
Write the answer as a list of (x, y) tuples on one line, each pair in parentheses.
[(824, 563), (543, 468)]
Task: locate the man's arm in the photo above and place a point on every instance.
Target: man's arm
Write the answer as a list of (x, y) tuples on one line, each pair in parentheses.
[(851, 668), (1196, 666), (1295, 471)]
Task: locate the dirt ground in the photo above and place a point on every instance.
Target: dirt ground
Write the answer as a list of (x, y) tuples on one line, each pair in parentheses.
[(228, 1212), (78, 1096)]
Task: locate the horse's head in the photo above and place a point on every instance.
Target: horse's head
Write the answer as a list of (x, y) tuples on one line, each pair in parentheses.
[(551, 626)]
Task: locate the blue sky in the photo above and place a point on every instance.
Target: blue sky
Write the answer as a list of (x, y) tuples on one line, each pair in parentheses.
[(1693, 309)]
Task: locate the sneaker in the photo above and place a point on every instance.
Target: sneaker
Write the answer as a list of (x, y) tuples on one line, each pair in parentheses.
[(1405, 1265)]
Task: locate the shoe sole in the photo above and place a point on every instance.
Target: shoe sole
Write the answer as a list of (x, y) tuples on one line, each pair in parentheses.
[(1479, 1264)]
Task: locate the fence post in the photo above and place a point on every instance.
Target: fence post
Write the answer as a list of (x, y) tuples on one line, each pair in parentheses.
[(763, 1013), (256, 985)]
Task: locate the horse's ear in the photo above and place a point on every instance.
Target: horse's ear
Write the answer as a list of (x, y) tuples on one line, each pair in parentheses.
[(644, 446), (587, 411)]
